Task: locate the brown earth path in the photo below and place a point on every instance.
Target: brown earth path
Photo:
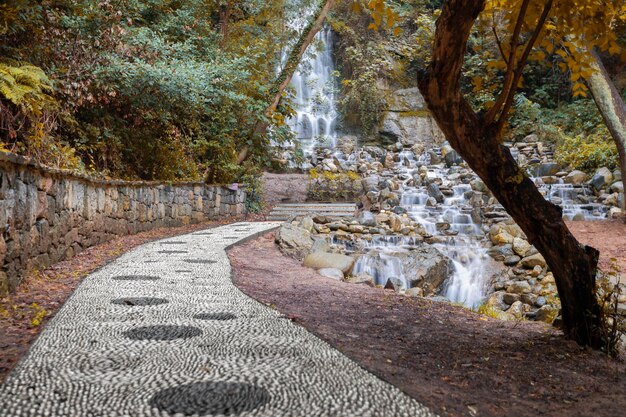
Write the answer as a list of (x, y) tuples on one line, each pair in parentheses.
[(456, 362)]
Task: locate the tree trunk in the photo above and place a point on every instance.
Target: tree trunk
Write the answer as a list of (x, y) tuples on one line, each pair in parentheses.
[(613, 110), (573, 265), (225, 10), (284, 78)]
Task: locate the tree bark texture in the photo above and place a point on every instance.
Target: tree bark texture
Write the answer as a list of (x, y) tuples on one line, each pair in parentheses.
[(286, 74), (480, 145), (613, 110)]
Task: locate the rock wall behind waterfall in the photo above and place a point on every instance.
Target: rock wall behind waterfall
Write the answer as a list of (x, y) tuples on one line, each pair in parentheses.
[(407, 120)]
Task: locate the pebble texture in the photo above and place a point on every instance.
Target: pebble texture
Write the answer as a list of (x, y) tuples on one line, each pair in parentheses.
[(210, 350)]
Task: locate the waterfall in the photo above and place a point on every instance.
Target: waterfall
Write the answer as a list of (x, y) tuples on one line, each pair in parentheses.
[(316, 112), (469, 281)]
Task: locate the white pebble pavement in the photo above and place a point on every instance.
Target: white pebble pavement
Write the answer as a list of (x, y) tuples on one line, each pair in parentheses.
[(162, 331)]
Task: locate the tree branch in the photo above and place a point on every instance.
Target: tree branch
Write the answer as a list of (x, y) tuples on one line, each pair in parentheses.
[(521, 64), (511, 63)]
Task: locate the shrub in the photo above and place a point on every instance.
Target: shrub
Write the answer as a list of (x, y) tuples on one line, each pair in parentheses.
[(587, 153)]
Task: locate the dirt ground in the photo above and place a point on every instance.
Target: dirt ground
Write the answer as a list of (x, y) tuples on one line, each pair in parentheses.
[(23, 315), (284, 188), (456, 362), (607, 236)]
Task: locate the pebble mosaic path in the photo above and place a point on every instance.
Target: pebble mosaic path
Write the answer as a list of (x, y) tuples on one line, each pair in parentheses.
[(162, 331)]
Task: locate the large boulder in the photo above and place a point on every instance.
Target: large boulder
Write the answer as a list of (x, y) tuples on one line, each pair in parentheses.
[(521, 246), (435, 192), (407, 120), (575, 177), (371, 183), (532, 261), (367, 218), (547, 169), (362, 278), (332, 273), (409, 99), (319, 260), (602, 177), (426, 267), (294, 241)]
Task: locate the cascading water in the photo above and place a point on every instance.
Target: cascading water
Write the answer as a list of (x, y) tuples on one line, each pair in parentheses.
[(316, 112), (450, 222), (451, 219)]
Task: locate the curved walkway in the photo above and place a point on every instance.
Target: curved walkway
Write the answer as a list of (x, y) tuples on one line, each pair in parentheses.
[(162, 331)]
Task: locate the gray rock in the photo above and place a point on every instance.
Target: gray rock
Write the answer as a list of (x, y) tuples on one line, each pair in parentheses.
[(547, 169), (519, 287), (617, 187), (602, 177), (512, 260), (546, 314), (575, 177), (414, 292), (500, 253), (307, 223), (497, 300), (394, 283), (294, 241), (453, 158), (332, 273), (371, 183), (318, 260), (510, 298), (367, 218), (541, 301), (434, 192), (320, 245), (518, 309), (362, 278), (521, 246), (426, 268), (532, 261)]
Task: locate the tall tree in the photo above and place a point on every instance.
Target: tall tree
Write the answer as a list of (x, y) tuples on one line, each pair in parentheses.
[(612, 108), (477, 136), (286, 74)]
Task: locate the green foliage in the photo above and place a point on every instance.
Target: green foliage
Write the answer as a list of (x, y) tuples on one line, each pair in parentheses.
[(587, 153), (150, 89), (609, 290), (26, 86), (489, 311), (576, 128), (254, 192)]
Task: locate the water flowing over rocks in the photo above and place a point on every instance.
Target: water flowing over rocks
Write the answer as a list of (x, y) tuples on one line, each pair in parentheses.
[(428, 226)]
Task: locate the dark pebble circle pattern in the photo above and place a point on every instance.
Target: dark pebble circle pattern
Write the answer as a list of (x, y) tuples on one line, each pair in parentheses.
[(203, 234), (215, 316), (139, 301), (173, 242), (200, 261), (173, 251), (182, 270), (162, 332), (135, 278), (231, 237), (210, 398)]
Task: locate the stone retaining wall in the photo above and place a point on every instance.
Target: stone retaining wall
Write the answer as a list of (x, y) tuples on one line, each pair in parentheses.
[(48, 215), (339, 187)]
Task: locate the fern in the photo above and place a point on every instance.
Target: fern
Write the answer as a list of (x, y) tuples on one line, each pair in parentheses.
[(25, 86)]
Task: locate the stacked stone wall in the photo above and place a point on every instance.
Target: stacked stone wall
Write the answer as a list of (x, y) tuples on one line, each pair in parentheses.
[(49, 215)]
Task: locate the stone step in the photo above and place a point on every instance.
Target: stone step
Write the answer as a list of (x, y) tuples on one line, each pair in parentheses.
[(286, 211)]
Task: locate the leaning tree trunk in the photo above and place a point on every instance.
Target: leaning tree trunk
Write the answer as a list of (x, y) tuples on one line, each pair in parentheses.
[(284, 78), (613, 110), (480, 145)]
